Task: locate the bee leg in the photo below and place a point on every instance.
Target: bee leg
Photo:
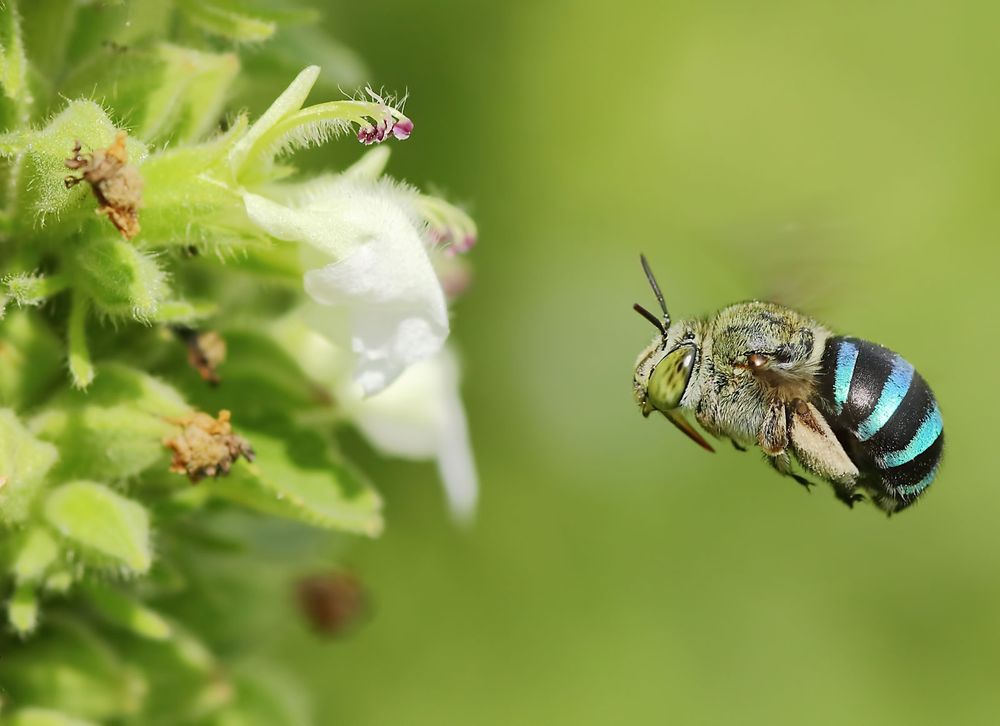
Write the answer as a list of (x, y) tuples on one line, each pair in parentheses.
[(773, 434), (848, 495), (783, 465), (737, 445)]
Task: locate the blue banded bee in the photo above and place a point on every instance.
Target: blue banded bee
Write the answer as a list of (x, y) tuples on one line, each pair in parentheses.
[(847, 411)]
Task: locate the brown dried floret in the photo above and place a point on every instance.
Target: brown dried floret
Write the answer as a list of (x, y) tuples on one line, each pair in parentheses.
[(333, 602), (206, 446), (206, 351), (116, 183)]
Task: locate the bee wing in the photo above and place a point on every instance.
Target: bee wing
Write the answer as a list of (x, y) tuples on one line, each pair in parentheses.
[(816, 446)]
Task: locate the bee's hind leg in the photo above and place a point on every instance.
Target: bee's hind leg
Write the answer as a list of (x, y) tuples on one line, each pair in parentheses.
[(848, 494), (783, 465)]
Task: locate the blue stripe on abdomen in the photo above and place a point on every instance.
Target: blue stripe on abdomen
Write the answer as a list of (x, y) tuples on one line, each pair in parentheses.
[(911, 490), (847, 356), (893, 392), (929, 431)]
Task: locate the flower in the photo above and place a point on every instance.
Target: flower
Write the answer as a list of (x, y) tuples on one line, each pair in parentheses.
[(420, 416), (367, 269)]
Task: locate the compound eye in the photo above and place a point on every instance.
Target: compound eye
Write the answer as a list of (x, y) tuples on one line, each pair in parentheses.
[(670, 378)]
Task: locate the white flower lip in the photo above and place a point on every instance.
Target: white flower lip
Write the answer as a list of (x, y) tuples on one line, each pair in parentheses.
[(367, 264), (420, 416)]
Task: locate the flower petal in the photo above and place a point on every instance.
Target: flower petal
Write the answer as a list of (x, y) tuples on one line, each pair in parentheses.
[(420, 416), (366, 260)]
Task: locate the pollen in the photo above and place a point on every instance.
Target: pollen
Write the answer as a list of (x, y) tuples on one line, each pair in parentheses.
[(206, 446), (116, 184)]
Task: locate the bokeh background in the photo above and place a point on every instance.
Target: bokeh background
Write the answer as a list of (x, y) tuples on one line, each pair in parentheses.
[(841, 157)]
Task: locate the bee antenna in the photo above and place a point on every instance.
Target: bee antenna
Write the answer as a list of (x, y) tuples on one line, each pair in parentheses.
[(656, 289), (651, 318)]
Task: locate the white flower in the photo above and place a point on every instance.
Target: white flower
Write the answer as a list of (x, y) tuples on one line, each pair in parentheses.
[(367, 265), (420, 416)]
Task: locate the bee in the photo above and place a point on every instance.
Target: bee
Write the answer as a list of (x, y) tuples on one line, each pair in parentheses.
[(847, 411)]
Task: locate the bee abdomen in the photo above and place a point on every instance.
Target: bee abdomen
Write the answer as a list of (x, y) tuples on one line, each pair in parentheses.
[(885, 416)]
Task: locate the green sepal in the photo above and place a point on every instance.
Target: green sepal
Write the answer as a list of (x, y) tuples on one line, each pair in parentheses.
[(127, 613), (120, 280), (102, 524), (43, 190), (24, 463)]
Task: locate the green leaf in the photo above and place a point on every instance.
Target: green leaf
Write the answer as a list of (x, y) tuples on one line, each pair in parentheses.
[(24, 462), (226, 21), (37, 553), (101, 521), (22, 609), (300, 478), (119, 279), (30, 359), (127, 613), (45, 717), (188, 101), (116, 429)]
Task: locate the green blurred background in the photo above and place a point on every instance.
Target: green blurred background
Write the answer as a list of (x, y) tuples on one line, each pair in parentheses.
[(842, 157)]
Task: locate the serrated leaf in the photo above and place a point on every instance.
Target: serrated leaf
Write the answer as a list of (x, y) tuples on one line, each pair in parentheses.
[(24, 462), (45, 717), (300, 478), (103, 522), (36, 553), (22, 609)]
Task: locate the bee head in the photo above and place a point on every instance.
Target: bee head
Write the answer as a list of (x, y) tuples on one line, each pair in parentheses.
[(663, 371)]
